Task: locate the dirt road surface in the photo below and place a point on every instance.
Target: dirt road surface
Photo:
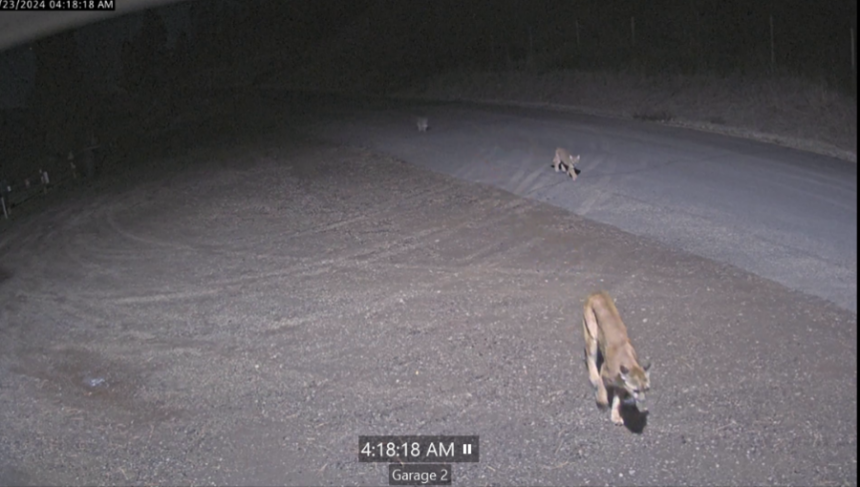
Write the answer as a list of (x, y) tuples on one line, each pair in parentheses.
[(241, 312)]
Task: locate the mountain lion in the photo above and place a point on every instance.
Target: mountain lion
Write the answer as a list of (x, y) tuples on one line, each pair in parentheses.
[(564, 158), (605, 333)]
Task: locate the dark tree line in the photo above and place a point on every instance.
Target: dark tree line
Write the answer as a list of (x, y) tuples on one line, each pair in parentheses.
[(65, 110), (145, 57), (61, 103)]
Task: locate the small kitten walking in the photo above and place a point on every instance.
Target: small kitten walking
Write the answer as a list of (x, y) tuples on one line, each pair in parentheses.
[(423, 123), (564, 158)]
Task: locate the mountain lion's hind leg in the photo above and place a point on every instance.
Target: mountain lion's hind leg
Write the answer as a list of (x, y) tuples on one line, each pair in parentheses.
[(591, 355)]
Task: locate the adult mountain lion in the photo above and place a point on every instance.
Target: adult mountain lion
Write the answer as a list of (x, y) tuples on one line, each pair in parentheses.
[(620, 372)]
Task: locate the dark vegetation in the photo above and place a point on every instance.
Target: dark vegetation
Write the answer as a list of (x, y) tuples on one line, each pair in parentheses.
[(392, 46)]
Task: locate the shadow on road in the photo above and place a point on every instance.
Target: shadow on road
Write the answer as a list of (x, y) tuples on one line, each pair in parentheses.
[(634, 419)]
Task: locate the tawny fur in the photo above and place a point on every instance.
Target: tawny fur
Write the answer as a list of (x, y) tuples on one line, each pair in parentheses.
[(564, 158), (605, 332)]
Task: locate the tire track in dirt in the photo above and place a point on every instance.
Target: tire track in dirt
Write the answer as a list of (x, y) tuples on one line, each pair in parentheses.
[(494, 253), (385, 249), (365, 255), (375, 306), (381, 251), (417, 198)]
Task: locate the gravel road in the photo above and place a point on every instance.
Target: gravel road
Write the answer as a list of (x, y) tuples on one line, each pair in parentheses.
[(240, 312)]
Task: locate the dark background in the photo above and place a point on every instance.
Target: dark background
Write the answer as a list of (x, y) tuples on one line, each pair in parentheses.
[(152, 54)]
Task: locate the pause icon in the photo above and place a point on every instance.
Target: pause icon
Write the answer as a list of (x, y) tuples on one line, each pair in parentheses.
[(467, 449)]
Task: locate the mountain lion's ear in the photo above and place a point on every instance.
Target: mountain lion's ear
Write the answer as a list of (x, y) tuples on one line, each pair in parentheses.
[(624, 370)]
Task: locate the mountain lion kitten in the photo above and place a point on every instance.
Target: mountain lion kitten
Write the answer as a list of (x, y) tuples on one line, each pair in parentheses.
[(422, 123), (563, 158)]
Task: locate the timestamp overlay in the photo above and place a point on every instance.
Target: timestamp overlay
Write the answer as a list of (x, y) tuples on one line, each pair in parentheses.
[(57, 5), (418, 449), (419, 459)]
